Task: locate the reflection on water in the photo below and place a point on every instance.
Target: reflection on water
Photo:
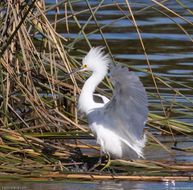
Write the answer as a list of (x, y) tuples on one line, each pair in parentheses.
[(110, 185), (132, 185), (180, 157), (103, 185)]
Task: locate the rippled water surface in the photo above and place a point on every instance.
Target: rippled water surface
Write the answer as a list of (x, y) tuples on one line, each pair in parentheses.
[(167, 39), (103, 185)]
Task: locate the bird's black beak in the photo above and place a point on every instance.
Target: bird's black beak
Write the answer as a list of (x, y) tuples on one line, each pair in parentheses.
[(82, 68), (74, 71), (77, 70)]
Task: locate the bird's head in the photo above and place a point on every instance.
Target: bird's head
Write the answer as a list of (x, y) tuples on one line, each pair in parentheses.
[(96, 60)]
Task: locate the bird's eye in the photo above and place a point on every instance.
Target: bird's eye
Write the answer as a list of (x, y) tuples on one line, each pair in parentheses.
[(85, 66)]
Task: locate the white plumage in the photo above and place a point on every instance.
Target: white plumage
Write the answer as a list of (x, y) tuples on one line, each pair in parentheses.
[(118, 124)]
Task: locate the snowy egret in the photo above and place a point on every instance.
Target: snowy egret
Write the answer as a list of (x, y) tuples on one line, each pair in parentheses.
[(118, 123)]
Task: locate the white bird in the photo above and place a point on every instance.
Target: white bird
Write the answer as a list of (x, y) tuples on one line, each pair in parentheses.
[(118, 124)]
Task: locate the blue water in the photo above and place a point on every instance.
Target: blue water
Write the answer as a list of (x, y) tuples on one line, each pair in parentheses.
[(168, 47), (102, 185)]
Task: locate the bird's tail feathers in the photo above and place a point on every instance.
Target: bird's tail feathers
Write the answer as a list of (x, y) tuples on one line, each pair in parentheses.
[(134, 150)]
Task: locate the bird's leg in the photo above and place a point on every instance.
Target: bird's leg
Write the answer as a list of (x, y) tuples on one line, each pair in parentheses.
[(99, 161), (108, 162)]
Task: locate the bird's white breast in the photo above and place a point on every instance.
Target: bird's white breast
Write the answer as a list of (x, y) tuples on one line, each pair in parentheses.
[(107, 139)]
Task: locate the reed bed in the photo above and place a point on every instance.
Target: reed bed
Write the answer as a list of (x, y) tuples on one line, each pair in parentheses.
[(41, 136)]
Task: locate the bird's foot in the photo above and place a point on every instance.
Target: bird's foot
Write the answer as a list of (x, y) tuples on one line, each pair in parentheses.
[(96, 165), (107, 164)]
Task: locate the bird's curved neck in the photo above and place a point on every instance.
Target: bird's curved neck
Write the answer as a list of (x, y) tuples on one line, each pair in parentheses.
[(86, 102)]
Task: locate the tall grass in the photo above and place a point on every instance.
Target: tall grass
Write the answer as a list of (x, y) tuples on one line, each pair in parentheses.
[(40, 132)]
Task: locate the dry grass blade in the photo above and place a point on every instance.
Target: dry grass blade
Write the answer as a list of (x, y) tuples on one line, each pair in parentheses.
[(184, 6), (148, 62), (56, 176), (171, 11), (25, 98)]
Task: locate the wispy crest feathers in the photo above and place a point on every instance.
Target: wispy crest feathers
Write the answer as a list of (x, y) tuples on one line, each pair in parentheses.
[(97, 59)]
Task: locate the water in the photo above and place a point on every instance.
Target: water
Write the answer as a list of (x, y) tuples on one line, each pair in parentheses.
[(169, 50), (102, 185)]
